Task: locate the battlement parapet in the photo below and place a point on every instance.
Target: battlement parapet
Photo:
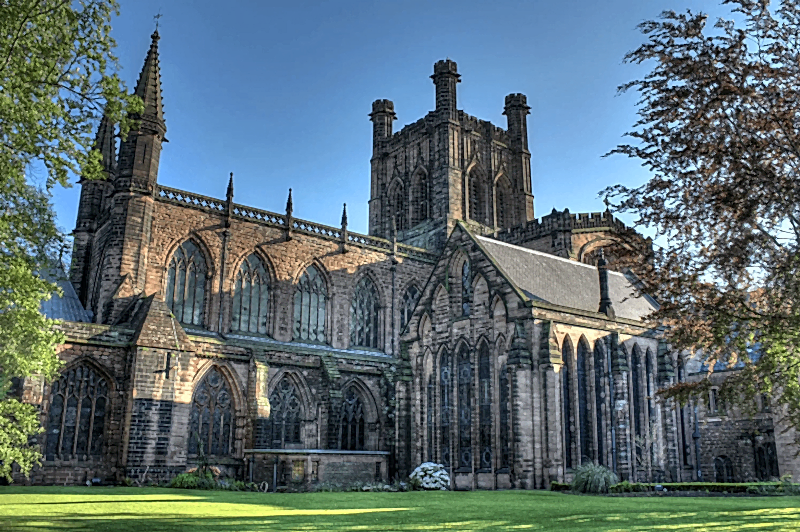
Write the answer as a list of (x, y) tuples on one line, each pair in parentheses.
[(561, 221)]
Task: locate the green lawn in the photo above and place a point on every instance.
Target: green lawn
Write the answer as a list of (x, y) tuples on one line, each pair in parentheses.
[(150, 510)]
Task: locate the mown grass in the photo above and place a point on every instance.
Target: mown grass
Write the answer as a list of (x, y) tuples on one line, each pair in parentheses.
[(150, 510)]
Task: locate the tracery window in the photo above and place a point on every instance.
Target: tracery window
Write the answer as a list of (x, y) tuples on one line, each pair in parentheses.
[(285, 415), (599, 387), (420, 198), (464, 408), (477, 198), (77, 414), (502, 202), (251, 297), (485, 390), (466, 288), (407, 305), (186, 284), (505, 433), (766, 461), (211, 419), (399, 208), (445, 387), (352, 429), (364, 315), (566, 399), (310, 299), (584, 407), (723, 469)]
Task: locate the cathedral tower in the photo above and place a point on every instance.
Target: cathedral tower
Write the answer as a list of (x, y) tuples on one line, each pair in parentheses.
[(449, 166)]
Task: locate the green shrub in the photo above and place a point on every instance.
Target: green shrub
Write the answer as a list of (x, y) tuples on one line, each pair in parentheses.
[(593, 478), (628, 487)]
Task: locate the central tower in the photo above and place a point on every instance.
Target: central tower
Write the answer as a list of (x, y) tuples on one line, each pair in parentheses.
[(448, 166)]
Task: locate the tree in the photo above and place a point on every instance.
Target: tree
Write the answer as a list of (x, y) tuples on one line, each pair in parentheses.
[(57, 78), (718, 128)]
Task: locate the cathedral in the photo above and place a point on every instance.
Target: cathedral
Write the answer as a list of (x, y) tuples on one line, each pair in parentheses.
[(461, 330)]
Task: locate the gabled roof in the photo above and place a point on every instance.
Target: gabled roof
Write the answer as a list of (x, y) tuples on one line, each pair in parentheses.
[(65, 307), (545, 278)]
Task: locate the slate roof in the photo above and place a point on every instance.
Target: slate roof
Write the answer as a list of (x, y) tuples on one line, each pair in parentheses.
[(66, 307), (563, 282)]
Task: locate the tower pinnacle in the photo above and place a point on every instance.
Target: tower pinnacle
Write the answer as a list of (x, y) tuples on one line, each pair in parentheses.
[(148, 88)]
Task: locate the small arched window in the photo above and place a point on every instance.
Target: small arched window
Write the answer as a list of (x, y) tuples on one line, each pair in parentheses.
[(186, 284), (365, 315), (410, 299), (310, 300), (211, 423), (77, 414), (466, 288), (251, 297), (284, 417), (353, 427)]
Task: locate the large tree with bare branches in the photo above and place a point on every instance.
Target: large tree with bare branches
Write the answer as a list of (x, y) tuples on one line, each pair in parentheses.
[(719, 128), (57, 77)]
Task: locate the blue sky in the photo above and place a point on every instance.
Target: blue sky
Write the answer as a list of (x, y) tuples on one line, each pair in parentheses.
[(279, 92)]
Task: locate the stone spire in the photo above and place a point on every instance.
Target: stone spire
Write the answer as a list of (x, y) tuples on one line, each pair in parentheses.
[(606, 305), (104, 143), (148, 88)]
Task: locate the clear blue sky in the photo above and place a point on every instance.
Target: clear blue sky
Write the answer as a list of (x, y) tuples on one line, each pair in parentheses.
[(279, 92)]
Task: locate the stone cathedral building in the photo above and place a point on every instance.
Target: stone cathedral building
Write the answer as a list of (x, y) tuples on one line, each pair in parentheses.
[(461, 330)]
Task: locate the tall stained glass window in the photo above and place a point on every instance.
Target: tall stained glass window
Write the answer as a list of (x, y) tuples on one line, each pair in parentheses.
[(466, 288), (429, 409), (310, 299), (505, 418), (485, 390), (353, 428), (284, 417), (211, 419), (599, 388), (186, 284), (445, 391), (407, 305), (251, 297), (584, 407), (566, 400), (364, 315), (464, 408), (76, 417)]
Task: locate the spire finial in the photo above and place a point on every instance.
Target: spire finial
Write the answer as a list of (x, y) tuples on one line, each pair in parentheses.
[(344, 215), (230, 187), (156, 18), (289, 204)]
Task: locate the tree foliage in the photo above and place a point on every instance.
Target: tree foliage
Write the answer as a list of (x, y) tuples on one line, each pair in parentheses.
[(57, 78), (718, 129)]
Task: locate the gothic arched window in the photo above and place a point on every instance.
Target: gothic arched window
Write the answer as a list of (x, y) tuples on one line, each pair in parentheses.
[(636, 382), (251, 297), (464, 408), (566, 399), (599, 387), (211, 419), (310, 299), (399, 207), (364, 315), (429, 417), (186, 284), (766, 461), (684, 427), (723, 469), (485, 390), (352, 429), (284, 415), (505, 432), (445, 391), (466, 288), (410, 299), (77, 415), (420, 201), (477, 197), (584, 407), (503, 203)]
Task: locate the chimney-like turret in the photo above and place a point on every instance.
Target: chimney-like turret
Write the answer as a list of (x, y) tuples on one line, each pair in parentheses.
[(445, 77), (517, 111), (382, 116), (606, 305)]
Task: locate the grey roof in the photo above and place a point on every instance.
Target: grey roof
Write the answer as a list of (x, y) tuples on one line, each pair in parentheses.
[(563, 282), (65, 307)]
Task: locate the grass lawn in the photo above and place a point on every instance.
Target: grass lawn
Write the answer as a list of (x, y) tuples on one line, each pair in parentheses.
[(150, 510)]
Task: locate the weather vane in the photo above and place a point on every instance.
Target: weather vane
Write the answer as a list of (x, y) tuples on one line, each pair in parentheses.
[(156, 17)]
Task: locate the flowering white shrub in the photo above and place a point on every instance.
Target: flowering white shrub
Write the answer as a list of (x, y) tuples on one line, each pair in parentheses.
[(430, 476)]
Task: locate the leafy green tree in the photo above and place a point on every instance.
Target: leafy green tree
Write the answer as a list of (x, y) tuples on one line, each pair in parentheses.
[(719, 128), (57, 78)]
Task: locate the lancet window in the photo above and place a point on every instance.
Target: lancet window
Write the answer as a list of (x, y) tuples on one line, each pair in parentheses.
[(364, 315), (353, 427), (399, 208), (502, 202), (566, 399), (723, 469), (285, 415), (407, 305), (477, 198), (505, 432), (485, 390), (599, 387), (584, 408), (636, 381), (310, 300), (465, 408), (429, 417), (420, 202), (684, 428), (211, 422), (466, 288), (445, 390), (186, 284), (251, 297), (77, 414)]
